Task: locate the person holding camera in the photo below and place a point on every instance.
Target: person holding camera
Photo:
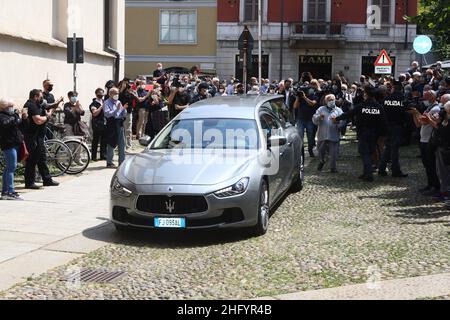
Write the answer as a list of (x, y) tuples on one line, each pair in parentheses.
[(328, 133), (98, 125), (11, 139), (305, 107), (34, 138)]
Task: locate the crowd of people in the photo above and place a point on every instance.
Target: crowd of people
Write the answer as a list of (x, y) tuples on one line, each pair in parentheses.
[(386, 113)]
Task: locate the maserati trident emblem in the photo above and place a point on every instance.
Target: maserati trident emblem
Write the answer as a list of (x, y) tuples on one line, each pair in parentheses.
[(170, 206)]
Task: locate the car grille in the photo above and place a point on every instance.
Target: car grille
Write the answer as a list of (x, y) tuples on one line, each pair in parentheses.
[(175, 205)]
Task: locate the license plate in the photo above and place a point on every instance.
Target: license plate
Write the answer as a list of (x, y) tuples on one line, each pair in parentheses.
[(176, 223)]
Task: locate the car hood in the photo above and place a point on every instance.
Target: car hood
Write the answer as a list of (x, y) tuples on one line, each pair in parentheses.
[(186, 167)]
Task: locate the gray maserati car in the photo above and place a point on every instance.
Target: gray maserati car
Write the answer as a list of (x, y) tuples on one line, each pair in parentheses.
[(222, 163)]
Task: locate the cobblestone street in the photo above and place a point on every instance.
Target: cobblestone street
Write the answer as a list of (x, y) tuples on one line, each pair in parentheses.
[(337, 231)]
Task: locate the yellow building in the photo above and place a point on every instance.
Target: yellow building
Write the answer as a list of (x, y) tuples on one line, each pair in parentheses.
[(174, 33)]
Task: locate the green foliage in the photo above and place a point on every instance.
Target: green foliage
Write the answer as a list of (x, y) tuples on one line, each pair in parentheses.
[(434, 18)]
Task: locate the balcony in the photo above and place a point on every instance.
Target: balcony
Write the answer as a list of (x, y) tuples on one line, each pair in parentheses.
[(329, 34)]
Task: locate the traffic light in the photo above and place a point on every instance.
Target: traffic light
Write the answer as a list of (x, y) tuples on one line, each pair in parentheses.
[(79, 50)]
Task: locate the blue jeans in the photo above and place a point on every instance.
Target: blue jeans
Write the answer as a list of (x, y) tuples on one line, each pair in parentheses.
[(121, 146), (11, 156), (310, 133)]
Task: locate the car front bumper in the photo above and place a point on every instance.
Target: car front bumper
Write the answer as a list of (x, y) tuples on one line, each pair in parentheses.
[(233, 212)]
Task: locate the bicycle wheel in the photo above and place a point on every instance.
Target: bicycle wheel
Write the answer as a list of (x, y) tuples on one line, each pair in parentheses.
[(59, 157), (81, 157), (2, 162)]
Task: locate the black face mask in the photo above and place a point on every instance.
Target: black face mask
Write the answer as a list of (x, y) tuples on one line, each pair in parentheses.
[(50, 88)]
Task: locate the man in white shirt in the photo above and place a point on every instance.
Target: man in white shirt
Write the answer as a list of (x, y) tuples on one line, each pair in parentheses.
[(426, 149)]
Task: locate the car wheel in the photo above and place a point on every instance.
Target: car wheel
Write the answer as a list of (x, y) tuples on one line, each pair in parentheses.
[(263, 211), (299, 177)]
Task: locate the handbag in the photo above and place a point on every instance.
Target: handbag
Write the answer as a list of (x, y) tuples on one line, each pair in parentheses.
[(23, 152), (80, 128)]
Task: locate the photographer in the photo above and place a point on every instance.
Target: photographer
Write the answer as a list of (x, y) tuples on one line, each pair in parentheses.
[(34, 138), (159, 75), (11, 139), (305, 107)]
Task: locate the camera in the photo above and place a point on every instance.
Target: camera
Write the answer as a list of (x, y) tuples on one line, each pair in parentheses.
[(176, 81), (302, 91)]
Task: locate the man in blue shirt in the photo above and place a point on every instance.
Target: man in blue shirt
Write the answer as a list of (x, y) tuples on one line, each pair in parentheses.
[(115, 115)]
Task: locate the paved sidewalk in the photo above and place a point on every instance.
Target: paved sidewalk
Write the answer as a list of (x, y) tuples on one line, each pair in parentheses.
[(402, 289), (44, 231)]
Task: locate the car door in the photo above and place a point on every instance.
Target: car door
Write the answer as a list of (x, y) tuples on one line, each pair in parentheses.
[(281, 155), (293, 151)]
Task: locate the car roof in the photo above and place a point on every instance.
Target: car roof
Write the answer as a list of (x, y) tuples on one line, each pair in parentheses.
[(238, 107)]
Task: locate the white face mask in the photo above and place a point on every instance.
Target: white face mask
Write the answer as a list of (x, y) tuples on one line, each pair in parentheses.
[(116, 97), (331, 104), (10, 110), (74, 99)]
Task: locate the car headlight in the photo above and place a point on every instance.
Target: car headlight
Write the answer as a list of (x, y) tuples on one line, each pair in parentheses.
[(234, 190), (118, 189)]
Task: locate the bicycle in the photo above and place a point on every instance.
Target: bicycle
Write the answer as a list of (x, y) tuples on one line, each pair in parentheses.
[(81, 155)]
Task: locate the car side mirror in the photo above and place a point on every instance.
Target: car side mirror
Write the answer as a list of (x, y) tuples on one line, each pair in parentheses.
[(145, 141), (275, 141)]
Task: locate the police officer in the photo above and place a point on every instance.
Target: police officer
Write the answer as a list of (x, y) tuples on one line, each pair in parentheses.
[(395, 110), (370, 125)]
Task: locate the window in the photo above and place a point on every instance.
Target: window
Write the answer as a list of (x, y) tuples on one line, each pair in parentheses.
[(385, 7), (317, 10), (270, 125), (282, 111), (251, 10), (178, 27)]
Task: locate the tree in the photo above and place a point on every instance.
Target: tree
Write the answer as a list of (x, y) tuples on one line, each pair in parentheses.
[(434, 18)]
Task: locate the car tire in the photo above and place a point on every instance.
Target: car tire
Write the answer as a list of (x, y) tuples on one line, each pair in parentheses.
[(299, 179), (263, 211)]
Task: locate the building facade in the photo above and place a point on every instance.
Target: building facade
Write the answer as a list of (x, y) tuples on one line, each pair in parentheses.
[(33, 45), (323, 37), (176, 33)]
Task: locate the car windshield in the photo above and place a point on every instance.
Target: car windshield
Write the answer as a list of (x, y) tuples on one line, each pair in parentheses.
[(232, 134)]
